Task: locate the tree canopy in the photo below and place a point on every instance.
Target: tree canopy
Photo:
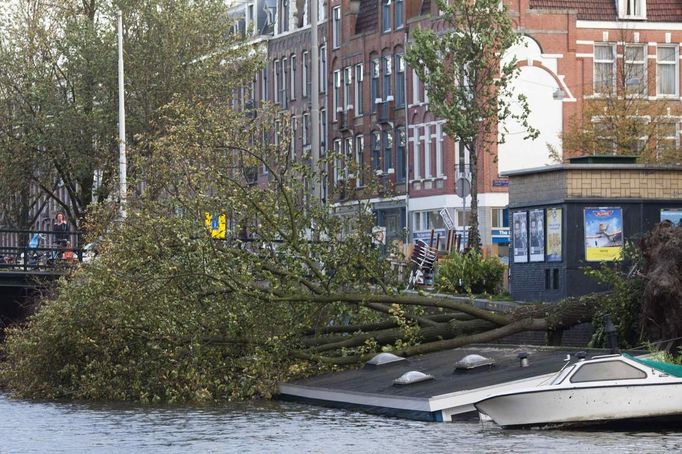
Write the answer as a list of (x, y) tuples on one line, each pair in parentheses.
[(469, 85), (58, 88)]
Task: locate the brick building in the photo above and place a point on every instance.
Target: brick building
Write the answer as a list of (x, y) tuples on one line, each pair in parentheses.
[(374, 111)]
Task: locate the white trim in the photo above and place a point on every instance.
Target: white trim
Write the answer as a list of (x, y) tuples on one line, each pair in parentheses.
[(552, 55), (585, 42), (617, 25), (581, 55)]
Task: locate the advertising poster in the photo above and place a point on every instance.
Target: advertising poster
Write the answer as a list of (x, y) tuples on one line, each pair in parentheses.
[(216, 225), (537, 235), (673, 215), (554, 235), (520, 245), (603, 234)]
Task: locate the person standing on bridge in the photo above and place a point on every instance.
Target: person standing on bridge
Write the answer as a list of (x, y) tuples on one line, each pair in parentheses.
[(60, 229)]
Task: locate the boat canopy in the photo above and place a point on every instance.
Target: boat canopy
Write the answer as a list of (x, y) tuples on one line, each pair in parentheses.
[(671, 369)]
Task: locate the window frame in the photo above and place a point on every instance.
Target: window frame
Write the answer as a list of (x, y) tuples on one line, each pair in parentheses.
[(676, 69), (336, 27), (595, 82)]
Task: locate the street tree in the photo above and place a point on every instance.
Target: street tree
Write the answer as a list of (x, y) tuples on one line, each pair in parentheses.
[(58, 85), (469, 85), (618, 117)]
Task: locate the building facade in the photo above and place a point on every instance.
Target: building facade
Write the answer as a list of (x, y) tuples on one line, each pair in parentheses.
[(374, 116)]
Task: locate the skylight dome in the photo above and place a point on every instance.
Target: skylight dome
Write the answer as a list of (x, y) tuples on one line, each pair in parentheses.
[(384, 358), (473, 361), (411, 377)]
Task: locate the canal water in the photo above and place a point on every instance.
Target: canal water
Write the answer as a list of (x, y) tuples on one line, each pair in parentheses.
[(278, 427)]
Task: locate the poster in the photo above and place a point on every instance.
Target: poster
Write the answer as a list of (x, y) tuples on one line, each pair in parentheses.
[(554, 235), (520, 245), (537, 235), (603, 234), (673, 215), (216, 225)]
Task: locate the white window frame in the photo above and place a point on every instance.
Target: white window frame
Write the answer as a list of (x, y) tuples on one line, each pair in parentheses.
[(292, 76), (427, 151), (643, 85), (336, 27), (336, 98), (416, 153), (278, 72), (359, 160), (440, 137), (305, 76), (347, 85), (359, 78), (596, 62), (675, 63), (632, 9)]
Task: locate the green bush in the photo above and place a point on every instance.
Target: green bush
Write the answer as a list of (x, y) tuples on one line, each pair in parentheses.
[(469, 273)]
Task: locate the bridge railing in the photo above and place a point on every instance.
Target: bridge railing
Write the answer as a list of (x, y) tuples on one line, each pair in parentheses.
[(39, 250)]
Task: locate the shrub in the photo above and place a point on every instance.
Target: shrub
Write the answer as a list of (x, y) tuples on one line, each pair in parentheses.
[(470, 273)]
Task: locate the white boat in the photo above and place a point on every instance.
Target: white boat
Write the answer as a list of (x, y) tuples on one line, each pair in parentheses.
[(610, 389)]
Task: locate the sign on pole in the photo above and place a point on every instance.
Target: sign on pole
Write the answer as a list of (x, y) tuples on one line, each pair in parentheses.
[(447, 219)]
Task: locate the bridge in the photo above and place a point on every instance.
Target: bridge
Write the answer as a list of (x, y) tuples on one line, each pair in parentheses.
[(29, 261)]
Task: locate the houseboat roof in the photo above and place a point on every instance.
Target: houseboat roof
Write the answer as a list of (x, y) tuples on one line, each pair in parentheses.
[(448, 396)]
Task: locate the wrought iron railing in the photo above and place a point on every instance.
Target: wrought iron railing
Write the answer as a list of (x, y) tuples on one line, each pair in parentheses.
[(39, 250)]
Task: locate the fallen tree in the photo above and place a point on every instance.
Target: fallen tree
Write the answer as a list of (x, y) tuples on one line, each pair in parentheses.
[(167, 312)]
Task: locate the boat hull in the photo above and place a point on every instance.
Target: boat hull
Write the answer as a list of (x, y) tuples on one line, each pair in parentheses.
[(585, 405)]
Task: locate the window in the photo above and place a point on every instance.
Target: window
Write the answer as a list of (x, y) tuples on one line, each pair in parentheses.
[(284, 87), (417, 154), (278, 80), (386, 15), (667, 137), (292, 80), (427, 152), (500, 218), (607, 370), (399, 81), (323, 69), (347, 156), (440, 171), (632, 9), (398, 12), (374, 87), (264, 84), (666, 67), (323, 132), (462, 159), (284, 16), (347, 81), (388, 150), (400, 157), (336, 27), (416, 88), (306, 129), (359, 160), (376, 150), (634, 69), (337, 92), (306, 75), (604, 68), (338, 161), (387, 78), (358, 89)]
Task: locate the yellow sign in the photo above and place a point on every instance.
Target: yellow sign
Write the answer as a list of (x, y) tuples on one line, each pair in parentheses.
[(217, 225)]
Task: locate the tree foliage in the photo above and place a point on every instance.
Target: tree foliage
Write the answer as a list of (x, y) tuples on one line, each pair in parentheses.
[(469, 85), (620, 118), (58, 88)]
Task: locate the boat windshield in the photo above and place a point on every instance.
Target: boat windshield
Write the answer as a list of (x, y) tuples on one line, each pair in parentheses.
[(562, 375)]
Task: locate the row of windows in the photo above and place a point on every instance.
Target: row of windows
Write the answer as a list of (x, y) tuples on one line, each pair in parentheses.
[(393, 18), (634, 71), (387, 156), (386, 73)]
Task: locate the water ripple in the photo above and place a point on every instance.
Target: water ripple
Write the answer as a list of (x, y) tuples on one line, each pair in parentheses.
[(278, 427)]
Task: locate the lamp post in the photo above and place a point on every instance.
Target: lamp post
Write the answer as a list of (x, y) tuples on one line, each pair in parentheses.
[(122, 163)]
